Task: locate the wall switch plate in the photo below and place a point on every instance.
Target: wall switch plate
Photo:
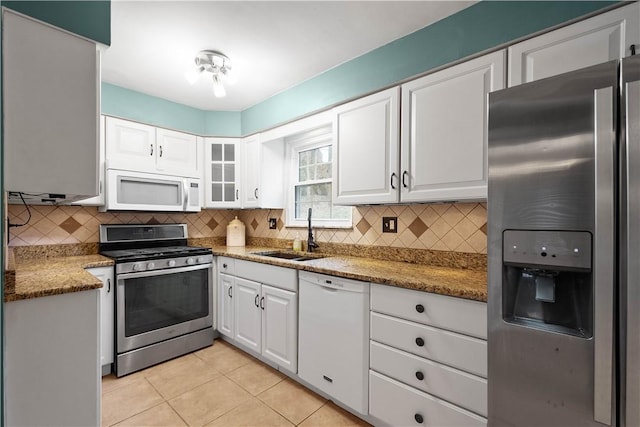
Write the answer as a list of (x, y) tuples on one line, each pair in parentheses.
[(273, 223), (389, 224)]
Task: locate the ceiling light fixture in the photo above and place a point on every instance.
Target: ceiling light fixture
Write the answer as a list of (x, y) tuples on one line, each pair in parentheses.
[(218, 65)]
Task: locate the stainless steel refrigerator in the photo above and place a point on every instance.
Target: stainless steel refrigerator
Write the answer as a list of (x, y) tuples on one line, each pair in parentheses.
[(564, 249)]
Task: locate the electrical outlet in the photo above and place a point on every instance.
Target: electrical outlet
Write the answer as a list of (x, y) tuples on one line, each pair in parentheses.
[(389, 224), (273, 223)]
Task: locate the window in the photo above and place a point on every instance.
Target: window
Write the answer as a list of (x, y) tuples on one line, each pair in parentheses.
[(311, 158)]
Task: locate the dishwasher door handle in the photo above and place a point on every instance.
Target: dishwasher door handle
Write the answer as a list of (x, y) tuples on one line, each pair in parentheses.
[(329, 289)]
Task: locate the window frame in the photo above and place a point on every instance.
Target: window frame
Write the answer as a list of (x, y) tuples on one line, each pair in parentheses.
[(309, 140)]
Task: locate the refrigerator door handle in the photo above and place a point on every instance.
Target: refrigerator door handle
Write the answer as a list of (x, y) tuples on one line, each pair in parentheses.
[(604, 251), (633, 246)]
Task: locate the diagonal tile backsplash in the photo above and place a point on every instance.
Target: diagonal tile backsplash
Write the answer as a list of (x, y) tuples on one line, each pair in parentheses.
[(51, 225), (459, 227)]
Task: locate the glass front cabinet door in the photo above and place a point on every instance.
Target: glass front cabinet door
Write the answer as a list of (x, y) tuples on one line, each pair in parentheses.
[(222, 173)]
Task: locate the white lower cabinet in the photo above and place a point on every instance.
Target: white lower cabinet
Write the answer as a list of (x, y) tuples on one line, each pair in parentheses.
[(280, 326), (258, 309), (107, 319), (247, 313), (469, 391), (400, 405), (428, 359), (225, 305)]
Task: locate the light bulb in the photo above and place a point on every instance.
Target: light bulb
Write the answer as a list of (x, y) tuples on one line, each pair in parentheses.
[(218, 87)]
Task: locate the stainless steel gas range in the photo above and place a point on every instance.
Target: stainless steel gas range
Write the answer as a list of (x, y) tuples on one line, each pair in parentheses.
[(164, 293)]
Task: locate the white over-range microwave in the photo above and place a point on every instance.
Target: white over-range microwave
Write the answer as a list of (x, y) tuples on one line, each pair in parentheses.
[(141, 191)]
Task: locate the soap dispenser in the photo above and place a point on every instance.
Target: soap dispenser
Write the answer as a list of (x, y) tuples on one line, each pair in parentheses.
[(297, 243)]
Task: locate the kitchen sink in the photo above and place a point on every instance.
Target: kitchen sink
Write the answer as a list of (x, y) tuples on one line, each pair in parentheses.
[(291, 256)]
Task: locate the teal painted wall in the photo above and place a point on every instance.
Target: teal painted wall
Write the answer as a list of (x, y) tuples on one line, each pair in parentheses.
[(223, 123), (129, 104), (121, 102), (482, 26), (91, 19)]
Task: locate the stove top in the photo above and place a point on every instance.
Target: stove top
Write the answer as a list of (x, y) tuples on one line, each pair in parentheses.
[(130, 243), (142, 254)]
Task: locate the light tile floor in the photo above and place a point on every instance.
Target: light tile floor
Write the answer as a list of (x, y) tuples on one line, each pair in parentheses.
[(216, 386)]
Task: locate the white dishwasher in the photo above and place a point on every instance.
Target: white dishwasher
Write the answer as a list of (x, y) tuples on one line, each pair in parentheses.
[(333, 342)]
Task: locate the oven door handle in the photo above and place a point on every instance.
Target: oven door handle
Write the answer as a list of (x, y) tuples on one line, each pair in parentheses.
[(164, 271)]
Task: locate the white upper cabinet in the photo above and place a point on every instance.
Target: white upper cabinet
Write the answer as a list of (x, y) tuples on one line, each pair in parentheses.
[(51, 108), (252, 165), (444, 131), (177, 153), (366, 141), (222, 159), (130, 145), (142, 148), (263, 172), (595, 40)]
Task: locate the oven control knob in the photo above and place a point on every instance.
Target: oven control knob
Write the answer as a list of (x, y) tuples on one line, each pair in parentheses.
[(151, 265), (200, 260), (171, 263), (191, 261), (137, 267)]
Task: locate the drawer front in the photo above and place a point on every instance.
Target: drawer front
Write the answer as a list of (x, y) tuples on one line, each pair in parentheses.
[(459, 351), (454, 314), (279, 277), (460, 388), (226, 265), (400, 405)]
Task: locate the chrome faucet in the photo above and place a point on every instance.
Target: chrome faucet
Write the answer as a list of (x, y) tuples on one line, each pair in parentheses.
[(311, 244)]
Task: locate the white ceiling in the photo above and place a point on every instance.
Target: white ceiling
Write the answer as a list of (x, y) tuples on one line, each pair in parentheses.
[(273, 45)]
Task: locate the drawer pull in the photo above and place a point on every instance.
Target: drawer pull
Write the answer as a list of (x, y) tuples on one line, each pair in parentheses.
[(420, 308), (224, 265), (419, 419), (419, 342), (419, 375)]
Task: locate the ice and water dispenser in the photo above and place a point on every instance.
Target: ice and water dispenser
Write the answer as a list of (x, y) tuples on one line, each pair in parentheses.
[(547, 280)]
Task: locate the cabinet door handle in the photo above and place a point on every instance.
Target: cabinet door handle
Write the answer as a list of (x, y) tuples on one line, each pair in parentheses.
[(420, 308), (224, 265), (404, 175), (419, 418), (255, 193), (108, 285), (229, 292), (393, 175), (419, 342), (255, 301), (419, 375), (262, 303), (160, 150), (237, 197), (151, 152)]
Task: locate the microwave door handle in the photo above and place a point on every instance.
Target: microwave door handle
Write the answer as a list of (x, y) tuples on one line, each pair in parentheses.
[(603, 264), (185, 197)]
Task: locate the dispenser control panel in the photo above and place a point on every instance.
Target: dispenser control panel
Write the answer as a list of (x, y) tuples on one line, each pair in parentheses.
[(569, 250)]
